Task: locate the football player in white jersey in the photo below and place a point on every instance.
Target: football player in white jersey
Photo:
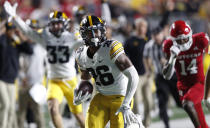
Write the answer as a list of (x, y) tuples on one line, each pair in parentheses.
[(115, 77), (60, 45)]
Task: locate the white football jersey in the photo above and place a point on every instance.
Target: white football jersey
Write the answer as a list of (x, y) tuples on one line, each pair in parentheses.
[(109, 79), (60, 51), (60, 54)]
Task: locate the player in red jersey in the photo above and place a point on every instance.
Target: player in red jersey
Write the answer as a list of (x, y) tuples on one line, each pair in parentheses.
[(184, 52)]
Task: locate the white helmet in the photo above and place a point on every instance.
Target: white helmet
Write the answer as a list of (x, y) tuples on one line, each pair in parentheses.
[(181, 30)]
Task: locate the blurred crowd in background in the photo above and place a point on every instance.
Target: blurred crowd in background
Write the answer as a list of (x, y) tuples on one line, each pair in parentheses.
[(122, 11)]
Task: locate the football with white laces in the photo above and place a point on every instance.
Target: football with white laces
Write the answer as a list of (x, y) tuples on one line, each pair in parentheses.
[(83, 92)]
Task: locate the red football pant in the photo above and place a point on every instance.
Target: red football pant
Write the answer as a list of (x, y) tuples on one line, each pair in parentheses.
[(194, 94)]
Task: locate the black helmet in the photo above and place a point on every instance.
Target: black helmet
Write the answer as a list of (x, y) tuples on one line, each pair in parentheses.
[(57, 17), (93, 30)]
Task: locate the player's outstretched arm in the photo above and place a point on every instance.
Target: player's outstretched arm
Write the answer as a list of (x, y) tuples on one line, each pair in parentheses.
[(11, 11), (168, 69), (125, 65), (105, 12), (207, 89)]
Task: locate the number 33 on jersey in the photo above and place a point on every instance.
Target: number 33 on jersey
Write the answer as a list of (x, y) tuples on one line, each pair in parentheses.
[(109, 79), (60, 54)]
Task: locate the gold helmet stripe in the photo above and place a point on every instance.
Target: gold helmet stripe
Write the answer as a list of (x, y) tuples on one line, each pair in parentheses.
[(55, 14), (34, 21), (64, 16), (90, 20), (100, 19)]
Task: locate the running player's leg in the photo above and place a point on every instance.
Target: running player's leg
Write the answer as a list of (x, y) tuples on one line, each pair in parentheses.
[(115, 103), (68, 87), (201, 116), (192, 105), (116, 121), (190, 109), (98, 113), (54, 98)]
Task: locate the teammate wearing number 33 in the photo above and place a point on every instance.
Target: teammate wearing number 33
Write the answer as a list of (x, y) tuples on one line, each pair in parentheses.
[(115, 77), (60, 45), (184, 52)]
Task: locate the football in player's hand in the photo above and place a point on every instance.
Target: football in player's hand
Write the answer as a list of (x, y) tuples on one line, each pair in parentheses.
[(85, 86)]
